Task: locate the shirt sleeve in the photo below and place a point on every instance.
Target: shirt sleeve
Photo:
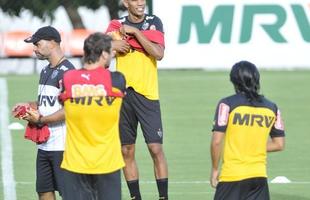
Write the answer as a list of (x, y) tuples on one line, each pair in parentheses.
[(118, 81), (278, 127), (113, 26), (66, 66), (157, 25), (221, 116)]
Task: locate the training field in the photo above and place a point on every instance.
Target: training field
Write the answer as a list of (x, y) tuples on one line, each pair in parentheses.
[(188, 100)]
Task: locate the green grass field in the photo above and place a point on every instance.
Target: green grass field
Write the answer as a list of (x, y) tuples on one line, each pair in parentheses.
[(188, 100)]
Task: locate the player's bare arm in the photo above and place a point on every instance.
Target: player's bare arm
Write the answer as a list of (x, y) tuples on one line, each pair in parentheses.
[(276, 144), (120, 46), (35, 117), (216, 150), (155, 50)]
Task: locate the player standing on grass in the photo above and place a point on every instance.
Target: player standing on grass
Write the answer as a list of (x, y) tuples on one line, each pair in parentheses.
[(242, 125), (92, 100), (46, 41), (139, 43)]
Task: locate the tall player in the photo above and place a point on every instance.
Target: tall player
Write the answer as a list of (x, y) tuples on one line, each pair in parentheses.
[(139, 43), (244, 122)]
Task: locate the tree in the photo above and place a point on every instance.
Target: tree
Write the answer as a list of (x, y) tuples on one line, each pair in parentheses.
[(45, 9)]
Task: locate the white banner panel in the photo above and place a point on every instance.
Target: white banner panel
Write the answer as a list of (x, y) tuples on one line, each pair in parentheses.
[(216, 34)]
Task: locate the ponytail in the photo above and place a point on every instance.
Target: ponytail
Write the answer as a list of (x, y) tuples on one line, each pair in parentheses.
[(245, 77)]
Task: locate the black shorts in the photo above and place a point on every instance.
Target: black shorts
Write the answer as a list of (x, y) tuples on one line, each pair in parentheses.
[(92, 186), (49, 173), (247, 189), (138, 109)]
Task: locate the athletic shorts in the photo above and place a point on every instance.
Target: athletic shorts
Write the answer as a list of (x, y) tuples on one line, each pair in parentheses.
[(138, 109), (92, 186), (49, 173), (247, 189)]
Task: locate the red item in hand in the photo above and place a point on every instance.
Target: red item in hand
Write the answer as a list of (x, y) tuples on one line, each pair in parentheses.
[(20, 111), (152, 35), (36, 134)]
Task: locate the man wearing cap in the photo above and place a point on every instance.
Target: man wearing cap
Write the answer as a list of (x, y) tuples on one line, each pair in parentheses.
[(49, 175)]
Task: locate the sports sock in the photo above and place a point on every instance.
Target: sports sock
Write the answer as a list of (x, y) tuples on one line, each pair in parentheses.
[(134, 189), (162, 185)]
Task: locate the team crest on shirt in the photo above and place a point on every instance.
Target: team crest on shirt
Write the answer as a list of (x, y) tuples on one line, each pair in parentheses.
[(54, 74), (145, 25), (223, 114)]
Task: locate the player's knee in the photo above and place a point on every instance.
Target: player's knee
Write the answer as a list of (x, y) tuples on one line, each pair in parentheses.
[(46, 196), (128, 151), (156, 151)]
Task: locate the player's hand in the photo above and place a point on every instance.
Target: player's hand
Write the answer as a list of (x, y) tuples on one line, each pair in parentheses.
[(19, 110), (32, 116), (214, 179), (128, 30), (121, 46)]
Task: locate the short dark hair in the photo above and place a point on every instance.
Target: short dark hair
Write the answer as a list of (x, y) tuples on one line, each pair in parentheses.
[(245, 78), (94, 45)]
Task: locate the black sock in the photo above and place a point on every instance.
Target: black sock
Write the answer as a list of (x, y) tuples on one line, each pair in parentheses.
[(162, 185), (134, 189)]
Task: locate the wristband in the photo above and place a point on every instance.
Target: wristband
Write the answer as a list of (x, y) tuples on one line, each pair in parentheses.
[(39, 122)]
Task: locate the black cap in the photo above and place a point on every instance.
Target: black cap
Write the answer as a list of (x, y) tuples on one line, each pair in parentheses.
[(44, 33)]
